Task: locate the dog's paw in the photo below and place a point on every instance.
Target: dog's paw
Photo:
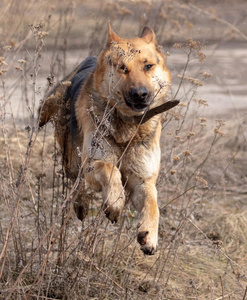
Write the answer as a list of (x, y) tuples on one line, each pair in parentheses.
[(112, 214), (148, 244), (81, 209), (142, 237), (114, 206), (148, 250)]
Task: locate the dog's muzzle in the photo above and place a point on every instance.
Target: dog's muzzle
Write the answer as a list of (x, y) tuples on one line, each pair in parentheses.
[(138, 99)]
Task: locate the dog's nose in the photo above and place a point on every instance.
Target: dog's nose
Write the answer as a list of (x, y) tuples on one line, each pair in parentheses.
[(139, 93)]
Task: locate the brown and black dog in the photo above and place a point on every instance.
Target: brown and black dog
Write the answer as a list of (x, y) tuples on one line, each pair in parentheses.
[(95, 123)]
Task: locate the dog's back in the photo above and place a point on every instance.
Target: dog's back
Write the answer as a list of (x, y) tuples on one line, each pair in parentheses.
[(59, 107), (85, 68), (61, 94)]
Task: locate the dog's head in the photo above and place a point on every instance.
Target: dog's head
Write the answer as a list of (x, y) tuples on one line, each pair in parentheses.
[(131, 73)]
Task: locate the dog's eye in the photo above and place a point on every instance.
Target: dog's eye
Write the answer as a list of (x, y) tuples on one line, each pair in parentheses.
[(148, 67), (124, 69)]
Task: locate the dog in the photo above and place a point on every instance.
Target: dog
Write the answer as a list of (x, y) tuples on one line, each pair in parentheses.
[(95, 109)]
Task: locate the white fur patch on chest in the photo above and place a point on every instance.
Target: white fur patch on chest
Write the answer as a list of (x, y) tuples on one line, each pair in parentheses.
[(144, 162), (151, 162)]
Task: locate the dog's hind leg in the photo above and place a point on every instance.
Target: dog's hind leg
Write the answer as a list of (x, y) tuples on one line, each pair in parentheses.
[(106, 177)]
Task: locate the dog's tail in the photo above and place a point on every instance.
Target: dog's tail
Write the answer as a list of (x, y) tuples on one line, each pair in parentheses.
[(50, 104)]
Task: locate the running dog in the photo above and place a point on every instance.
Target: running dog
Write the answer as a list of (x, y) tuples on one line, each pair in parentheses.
[(99, 112)]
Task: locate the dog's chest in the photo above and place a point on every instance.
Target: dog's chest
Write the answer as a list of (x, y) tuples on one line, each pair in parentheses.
[(141, 160), (140, 155)]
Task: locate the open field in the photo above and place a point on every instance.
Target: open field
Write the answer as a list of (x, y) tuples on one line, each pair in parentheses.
[(45, 251)]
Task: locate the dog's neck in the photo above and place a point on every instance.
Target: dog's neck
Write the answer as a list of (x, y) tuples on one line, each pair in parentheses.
[(124, 118)]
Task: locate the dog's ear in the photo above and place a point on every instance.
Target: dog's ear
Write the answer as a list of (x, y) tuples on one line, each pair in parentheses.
[(112, 36), (148, 35)]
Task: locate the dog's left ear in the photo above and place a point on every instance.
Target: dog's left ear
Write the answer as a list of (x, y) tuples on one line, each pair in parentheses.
[(148, 35)]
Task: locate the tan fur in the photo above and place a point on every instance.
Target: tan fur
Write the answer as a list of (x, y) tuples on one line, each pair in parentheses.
[(120, 158)]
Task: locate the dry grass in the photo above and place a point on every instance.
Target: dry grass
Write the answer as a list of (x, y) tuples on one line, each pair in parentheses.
[(45, 252)]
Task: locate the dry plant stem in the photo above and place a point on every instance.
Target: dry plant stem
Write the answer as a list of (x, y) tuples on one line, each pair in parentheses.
[(200, 166), (226, 256), (155, 263), (185, 115), (245, 293), (47, 234), (117, 245), (93, 246), (51, 245), (127, 274), (184, 70), (127, 245), (177, 237), (90, 268), (62, 239), (227, 295), (179, 196), (171, 255), (169, 259), (232, 160), (107, 276), (181, 176), (222, 287), (12, 211), (80, 266)]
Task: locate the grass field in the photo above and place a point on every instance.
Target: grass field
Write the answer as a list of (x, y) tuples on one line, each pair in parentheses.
[(45, 251)]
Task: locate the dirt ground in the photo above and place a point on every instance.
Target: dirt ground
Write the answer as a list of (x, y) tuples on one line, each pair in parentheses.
[(45, 252)]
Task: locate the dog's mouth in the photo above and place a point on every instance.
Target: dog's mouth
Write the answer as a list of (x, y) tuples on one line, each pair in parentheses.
[(138, 107)]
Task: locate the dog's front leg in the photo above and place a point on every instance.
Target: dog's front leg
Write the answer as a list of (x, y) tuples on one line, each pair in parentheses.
[(144, 198), (106, 177)]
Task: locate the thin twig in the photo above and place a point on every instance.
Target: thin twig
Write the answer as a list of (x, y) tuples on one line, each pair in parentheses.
[(245, 293)]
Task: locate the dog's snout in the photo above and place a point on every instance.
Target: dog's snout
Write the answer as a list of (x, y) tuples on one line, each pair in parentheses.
[(139, 93), (138, 98)]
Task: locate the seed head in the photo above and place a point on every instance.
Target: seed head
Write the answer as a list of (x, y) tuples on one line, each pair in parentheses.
[(187, 153)]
